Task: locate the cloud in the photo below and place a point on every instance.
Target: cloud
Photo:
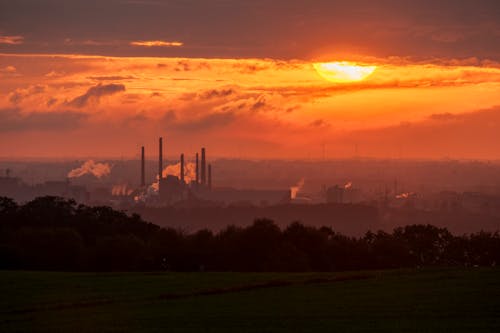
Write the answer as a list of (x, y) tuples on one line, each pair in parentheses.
[(112, 78), (183, 66), (156, 43), (319, 123), (251, 68), (91, 42), (51, 101), (19, 95), (285, 29), (215, 93), (312, 91), (8, 69), (259, 104), (93, 94), (11, 40), (14, 120), (54, 74)]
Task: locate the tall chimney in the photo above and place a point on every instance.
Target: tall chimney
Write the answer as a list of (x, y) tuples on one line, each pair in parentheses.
[(182, 168), (210, 176), (203, 167), (160, 159), (197, 170), (143, 169)]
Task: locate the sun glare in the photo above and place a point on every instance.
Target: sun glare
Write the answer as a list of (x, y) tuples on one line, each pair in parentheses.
[(343, 71)]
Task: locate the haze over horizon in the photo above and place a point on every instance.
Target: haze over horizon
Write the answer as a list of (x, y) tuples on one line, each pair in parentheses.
[(102, 78)]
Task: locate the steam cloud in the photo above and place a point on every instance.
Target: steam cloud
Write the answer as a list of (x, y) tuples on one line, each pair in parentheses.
[(294, 190), (90, 167), (175, 170), (121, 190), (172, 170), (404, 195)]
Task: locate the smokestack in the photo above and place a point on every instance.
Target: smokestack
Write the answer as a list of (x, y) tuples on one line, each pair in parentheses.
[(143, 169), (182, 168), (203, 167), (210, 176), (197, 170), (160, 159)]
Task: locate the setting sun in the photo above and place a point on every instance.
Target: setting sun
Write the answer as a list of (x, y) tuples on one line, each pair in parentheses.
[(343, 71)]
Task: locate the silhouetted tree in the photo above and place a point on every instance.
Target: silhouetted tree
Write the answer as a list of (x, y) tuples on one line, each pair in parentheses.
[(53, 233)]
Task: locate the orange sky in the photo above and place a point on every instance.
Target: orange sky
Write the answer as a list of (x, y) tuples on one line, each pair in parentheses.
[(75, 105), (101, 78)]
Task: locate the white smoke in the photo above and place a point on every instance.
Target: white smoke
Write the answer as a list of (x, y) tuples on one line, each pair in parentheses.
[(404, 195), (175, 170), (121, 190), (90, 167), (169, 170), (294, 190), (149, 192)]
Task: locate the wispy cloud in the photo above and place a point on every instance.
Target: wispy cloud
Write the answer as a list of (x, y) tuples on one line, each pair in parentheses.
[(156, 43), (9, 71), (11, 40)]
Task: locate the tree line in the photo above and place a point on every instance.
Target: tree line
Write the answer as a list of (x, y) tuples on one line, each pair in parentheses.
[(52, 233)]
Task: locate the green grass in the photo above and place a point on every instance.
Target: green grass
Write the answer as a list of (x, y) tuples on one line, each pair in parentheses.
[(448, 300)]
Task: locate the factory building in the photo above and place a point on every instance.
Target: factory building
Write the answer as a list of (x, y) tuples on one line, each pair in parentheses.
[(174, 188), (343, 194)]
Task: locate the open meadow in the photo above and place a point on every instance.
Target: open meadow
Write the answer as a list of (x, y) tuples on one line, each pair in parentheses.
[(428, 300)]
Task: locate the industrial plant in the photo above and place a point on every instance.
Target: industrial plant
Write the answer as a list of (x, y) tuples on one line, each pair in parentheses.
[(181, 182), (192, 183), (194, 180)]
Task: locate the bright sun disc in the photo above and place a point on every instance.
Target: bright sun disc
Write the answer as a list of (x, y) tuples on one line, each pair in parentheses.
[(343, 71)]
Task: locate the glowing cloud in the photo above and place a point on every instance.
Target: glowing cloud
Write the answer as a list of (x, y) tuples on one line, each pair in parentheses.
[(158, 43), (11, 40), (343, 71)]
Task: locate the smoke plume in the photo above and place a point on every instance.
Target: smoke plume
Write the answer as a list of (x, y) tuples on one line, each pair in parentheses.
[(90, 167), (121, 190), (294, 190), (175, 170), (404, 195), (169, 170)]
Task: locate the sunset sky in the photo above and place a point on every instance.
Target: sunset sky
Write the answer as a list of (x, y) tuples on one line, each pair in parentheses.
[(245, 79)]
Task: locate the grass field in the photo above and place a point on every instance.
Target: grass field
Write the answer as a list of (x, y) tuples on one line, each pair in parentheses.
[(450, 300)]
